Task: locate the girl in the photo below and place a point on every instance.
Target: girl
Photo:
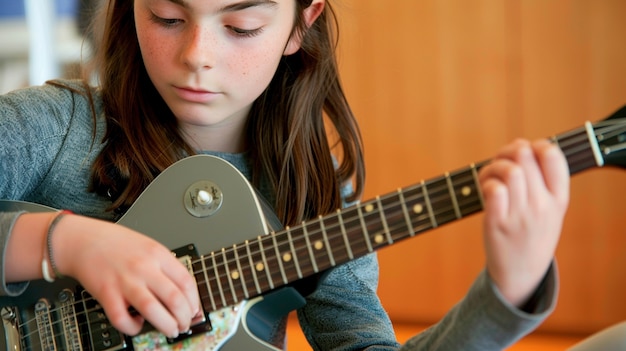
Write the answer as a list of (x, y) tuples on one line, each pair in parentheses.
[(249, 81)]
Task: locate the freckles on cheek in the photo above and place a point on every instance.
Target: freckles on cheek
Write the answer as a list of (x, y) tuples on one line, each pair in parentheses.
[(151, 47), (258, 68), (243, 66)]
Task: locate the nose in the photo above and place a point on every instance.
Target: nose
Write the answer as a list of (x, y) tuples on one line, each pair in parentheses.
[(198, 51)]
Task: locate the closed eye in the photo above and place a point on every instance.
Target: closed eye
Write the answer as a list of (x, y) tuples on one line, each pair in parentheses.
[(165, 22), (244, 33)]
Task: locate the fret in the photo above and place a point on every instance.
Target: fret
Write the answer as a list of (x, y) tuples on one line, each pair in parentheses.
[(351, 224), (477, 186), (364, 229), (207, 284), (233, 276), (273, 260), (286, 257), (418, 208), (303, 259), (455, 202), (345, 235), (294, 254), (253, 268), (319, 245), (429, 206), (405, 211), (266, 267), (336, 243), (464, 185), (394, 216), (325, 238), (374, 227), (383, 220), (440, 200), (241, 271), (310, 248), (279, 258), (218, 280)]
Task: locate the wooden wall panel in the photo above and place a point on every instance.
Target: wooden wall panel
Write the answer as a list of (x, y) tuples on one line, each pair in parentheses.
[(437, 84)]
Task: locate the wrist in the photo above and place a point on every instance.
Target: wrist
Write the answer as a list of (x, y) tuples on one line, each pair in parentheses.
[(49, 268)]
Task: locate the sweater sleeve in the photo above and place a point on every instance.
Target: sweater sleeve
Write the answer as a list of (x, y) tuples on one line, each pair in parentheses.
[(33, 124), (7, 220), (22, 160), (344, 312), (484, 321)]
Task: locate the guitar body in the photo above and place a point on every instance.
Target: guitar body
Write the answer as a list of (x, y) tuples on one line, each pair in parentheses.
[(167, 212)]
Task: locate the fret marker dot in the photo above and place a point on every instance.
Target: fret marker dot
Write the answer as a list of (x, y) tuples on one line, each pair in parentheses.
[(379, 239), (259, 267), (369, 208), (418, 209), (318, 245), (466, 191), (234, 275), (287, 257)]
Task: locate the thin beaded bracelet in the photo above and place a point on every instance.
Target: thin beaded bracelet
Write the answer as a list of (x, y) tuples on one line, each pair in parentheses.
[(48, 261)]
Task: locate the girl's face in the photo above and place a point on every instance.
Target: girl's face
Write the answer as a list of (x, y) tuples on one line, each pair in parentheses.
[(210, 59)]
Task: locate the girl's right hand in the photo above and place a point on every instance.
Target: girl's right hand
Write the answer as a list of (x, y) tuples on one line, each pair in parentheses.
[(121, 268)]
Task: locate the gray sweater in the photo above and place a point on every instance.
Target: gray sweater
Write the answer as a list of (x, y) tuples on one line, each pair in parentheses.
[(47, 136)]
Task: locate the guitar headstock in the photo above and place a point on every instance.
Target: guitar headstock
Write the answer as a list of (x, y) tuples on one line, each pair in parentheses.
[(611, 136)]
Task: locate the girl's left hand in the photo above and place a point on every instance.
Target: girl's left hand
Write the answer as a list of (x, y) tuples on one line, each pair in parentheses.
[(526, 194)]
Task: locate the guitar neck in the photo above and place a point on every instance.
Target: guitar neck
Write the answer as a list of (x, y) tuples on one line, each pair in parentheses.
[(257, 266)]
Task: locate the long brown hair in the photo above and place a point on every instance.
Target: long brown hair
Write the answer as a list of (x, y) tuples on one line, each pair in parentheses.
[(287, 140)]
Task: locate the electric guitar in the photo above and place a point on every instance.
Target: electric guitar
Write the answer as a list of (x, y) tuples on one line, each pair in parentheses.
[(245, 264)]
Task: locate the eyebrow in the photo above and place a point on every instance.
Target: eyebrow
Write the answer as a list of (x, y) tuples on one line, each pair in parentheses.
[(236, 6), (247, 4)]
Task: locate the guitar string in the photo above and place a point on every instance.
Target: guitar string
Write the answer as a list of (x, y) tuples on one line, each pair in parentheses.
[(442, 189), (223, 276), (281, 234), (81, 326)]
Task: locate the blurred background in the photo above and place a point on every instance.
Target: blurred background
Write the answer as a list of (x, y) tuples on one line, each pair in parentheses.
[(42, 39), (437, 85)]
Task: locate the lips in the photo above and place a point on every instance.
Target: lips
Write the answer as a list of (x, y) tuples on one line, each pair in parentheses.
[(195, 95)]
